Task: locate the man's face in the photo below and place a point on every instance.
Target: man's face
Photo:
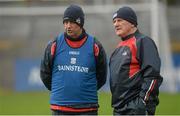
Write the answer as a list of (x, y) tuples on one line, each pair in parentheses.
[(72, 29), (122, 27)]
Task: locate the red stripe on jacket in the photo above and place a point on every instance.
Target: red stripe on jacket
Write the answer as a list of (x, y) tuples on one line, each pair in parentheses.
[(153, 83), (53, 49)]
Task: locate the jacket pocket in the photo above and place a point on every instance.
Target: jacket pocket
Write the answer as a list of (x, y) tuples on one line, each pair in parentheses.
[(137, 107)]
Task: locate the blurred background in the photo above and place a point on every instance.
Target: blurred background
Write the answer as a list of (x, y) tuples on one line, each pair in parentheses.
[(26, 26)]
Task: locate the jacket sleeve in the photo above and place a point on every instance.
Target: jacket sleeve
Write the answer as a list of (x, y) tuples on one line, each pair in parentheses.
[(101, 64), (150, 65), (46, 65)]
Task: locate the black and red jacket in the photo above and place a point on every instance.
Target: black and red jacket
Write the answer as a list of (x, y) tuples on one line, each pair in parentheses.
[(135, 70)]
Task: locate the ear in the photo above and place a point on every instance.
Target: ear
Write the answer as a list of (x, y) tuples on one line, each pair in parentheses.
[(132, 25)]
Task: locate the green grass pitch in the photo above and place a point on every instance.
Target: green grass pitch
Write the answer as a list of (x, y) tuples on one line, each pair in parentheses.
[(37, 103)]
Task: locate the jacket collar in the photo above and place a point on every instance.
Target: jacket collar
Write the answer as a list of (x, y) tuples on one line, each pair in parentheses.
[(130, 35)]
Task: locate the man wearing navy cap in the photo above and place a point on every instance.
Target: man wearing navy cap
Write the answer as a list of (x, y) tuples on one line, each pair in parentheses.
[(74, 67), (134, 68)]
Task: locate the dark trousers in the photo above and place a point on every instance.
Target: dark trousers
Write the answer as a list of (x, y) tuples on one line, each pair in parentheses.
[(57, 112), (135, 107)]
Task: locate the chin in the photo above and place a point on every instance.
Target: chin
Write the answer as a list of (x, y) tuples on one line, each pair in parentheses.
[(70, 34), (118, 34)]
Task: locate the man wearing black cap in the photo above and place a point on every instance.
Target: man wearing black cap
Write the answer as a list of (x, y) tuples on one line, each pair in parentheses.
[(74, 67), (134, 68)]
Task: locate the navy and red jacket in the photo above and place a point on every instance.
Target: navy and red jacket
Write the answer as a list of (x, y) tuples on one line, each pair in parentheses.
[(135, 70)]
